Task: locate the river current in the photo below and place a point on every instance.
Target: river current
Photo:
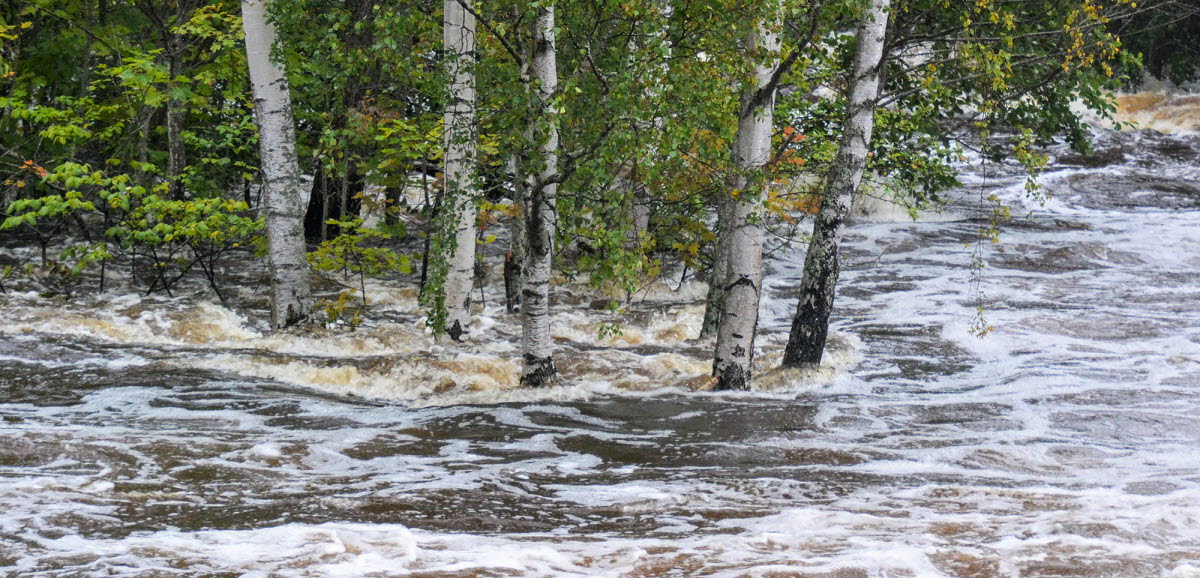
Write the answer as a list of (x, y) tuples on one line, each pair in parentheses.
[(174, 437)]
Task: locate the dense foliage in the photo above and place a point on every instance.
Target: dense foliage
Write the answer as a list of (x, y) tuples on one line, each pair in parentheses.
[(128, 133)]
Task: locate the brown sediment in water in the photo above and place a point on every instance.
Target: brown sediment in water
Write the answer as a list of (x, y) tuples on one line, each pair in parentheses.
[(1161, 111), (392, 356)]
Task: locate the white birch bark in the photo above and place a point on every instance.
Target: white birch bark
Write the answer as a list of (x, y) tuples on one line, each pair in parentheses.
[(810, 326), (460, 135), (288, 268), (752, 150), (541, 217)]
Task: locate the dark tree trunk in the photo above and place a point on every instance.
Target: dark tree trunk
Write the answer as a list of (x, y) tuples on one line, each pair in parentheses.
[(314, 215), (718, 276), (810, 326), (327, 202), (176, 118)]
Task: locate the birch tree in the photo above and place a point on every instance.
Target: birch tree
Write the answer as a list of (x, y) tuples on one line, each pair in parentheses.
[(740, 246), (460, 135), (288, 269), (810, 326), (541, 217)]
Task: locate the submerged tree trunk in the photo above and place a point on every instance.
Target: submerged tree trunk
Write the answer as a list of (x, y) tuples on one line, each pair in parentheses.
[(541, 216), (459, 200), (810, 327), (290, 298), (743, 229)]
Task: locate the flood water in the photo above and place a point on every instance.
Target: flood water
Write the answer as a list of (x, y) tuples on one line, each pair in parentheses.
[(173, 437)]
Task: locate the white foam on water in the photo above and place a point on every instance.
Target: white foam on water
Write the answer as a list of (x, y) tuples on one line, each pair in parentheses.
[(1061, 443), (400, 360), (860, 533)]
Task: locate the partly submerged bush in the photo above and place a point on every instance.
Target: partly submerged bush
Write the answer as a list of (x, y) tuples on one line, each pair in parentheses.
[(351, 257), (95, 217)]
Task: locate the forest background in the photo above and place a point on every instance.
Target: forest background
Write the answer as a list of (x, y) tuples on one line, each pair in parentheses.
[(450, 144)]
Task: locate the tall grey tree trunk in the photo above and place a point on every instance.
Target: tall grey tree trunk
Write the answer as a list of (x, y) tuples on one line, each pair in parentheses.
[(290, 297), (541, 218), (459, 200), (743, 227), (176, 117), (176, 152), (810, 327)]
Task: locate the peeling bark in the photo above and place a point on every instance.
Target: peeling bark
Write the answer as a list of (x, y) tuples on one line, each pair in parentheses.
[(810, 326), (288, 268), (461, 188), (541, 218), (743, 228)]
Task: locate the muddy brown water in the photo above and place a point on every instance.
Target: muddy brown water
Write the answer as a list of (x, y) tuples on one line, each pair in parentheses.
[(172, 438)]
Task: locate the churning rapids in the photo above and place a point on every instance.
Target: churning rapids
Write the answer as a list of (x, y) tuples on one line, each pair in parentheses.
[(154, 437)]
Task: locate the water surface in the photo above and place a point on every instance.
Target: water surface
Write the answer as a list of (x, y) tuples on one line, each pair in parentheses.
[(150, 437)]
